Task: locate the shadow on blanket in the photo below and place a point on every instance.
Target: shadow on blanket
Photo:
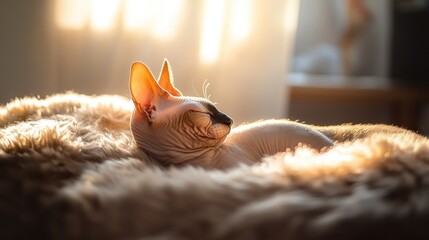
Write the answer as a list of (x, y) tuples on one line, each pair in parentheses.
[(69, 169)]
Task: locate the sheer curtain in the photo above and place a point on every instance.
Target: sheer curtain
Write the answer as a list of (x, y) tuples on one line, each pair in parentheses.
[(240, 47)]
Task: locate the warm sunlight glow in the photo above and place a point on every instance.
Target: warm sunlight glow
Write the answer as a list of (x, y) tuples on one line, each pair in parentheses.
[(343, 159), (103, 14), (212, 30), (291, 15), (71, 14), (240, 20), (138, 14), (168, 18), (161, 17)]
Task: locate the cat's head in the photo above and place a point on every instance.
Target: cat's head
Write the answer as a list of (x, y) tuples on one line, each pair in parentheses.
[(168, 126)]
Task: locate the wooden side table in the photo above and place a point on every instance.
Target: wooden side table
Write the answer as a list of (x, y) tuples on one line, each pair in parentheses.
[(405, 102)]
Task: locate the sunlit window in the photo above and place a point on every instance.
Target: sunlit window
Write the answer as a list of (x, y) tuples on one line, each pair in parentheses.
[(103, 14), (240, 20), (211, 31), (161, 19), (214, 25), (291, 15), (72, 14), (136, 17), (167, 18)]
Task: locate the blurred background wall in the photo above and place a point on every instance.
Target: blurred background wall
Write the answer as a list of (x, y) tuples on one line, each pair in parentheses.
[(361, 61), (241, 47), (322, 62), (27, 52), (323, 23)]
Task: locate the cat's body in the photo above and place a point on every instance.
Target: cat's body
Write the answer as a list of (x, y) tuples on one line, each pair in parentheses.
[(246, 144), (174, 129)]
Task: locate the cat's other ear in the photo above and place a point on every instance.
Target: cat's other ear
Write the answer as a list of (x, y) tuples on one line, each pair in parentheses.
[(166, 80), (144, 89)]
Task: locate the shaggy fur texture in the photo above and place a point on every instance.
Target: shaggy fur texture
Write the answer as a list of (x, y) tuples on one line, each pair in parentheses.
[(69, 169)]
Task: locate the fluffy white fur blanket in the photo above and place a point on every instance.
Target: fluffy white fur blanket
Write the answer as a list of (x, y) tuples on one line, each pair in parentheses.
[(69, 169)]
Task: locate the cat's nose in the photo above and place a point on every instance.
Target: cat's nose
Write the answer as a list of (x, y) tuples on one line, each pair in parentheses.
[(223, 118), (228, 121)]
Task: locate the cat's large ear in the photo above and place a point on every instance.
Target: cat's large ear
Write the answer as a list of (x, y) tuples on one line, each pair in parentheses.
[(166, 80), (144, 89)]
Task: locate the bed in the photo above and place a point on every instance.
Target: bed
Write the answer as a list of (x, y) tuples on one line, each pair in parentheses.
[(69, 169)]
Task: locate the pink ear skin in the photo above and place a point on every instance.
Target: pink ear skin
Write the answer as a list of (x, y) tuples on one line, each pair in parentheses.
[(166, 80), (144, 89)]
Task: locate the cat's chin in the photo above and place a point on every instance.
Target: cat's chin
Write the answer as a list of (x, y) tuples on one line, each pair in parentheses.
[(218, 131)]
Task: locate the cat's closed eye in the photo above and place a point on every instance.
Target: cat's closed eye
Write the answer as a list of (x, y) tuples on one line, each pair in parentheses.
[(200, 112), (201, 117)]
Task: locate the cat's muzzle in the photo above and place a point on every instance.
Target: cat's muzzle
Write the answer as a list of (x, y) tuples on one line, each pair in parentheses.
[(222, 118)]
